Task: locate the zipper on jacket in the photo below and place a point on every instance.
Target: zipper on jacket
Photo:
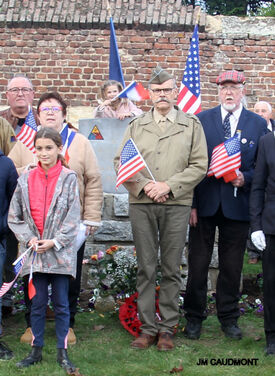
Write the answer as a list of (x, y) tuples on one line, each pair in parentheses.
[(45, 201)]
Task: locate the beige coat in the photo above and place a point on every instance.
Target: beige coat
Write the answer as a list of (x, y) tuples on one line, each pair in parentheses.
[(83, 161), (178, 157), (7, 136)]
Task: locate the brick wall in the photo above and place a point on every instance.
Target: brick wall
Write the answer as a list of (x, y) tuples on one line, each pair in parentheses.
[(74, 60)]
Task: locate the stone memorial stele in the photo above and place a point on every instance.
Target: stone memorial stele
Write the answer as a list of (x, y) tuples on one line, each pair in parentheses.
[(105, 136)]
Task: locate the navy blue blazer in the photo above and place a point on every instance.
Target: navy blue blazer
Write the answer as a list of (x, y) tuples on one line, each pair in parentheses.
[(212, 192), (262, 198), (8, 181)]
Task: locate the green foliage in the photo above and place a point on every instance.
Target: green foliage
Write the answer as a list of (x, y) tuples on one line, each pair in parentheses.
[(267, 11), (234, 7), (251, 269)]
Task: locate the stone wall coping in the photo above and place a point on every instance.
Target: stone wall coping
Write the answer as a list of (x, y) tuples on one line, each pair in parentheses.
[(88, 14)]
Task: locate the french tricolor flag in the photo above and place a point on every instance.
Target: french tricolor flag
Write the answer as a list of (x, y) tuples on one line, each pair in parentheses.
[(31, 287), (134, 91)]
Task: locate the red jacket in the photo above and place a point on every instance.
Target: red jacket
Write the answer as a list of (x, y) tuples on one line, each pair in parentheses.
[(41, 190)]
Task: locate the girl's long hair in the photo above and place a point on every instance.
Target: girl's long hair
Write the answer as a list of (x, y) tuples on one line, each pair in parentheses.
[(53, 135), (110, 83)]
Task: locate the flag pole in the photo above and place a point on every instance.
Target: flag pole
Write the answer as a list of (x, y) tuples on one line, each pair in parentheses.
[(23, 254), (154, 180), (198, 16), (115, 68), (108, 9)]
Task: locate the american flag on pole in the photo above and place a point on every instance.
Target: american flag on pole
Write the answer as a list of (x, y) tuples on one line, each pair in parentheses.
[(225, 158), (189, 98), (18, 264), (131, 162), (28, 132)]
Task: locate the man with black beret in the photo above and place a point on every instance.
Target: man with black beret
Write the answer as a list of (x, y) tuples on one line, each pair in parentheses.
[(225, 206), (173, 146)]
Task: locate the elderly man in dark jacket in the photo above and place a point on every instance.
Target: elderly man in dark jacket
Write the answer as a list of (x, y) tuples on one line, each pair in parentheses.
[(223, 205)]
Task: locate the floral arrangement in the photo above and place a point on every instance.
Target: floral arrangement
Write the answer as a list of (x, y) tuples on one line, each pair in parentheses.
[(18, 295), (114, 272)]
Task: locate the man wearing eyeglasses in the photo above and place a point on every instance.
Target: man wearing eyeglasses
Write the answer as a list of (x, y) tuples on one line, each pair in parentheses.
[(20, 96), (223, 205), (173, 146)]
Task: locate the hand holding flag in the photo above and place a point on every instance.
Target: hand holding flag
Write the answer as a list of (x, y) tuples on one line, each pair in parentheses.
[(134, 91), (226, 159)]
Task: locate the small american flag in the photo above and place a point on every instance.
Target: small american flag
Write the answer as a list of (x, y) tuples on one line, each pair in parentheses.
[(131, 162), (18, 264), (226, 157), (28, 132), (189, 99)]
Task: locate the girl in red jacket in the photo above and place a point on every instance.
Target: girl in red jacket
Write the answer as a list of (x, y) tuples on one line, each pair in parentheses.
[(45, 214)]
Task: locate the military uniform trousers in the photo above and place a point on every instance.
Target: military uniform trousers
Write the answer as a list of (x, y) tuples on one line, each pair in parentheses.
[(159, 227)]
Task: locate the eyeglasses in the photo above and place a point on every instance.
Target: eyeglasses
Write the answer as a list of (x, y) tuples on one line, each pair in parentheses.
[(167, 90), (53, 109), (231, 88), (16, 90)]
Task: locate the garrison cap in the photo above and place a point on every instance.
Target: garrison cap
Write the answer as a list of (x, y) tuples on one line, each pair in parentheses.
[(159, 76), (231, 76)]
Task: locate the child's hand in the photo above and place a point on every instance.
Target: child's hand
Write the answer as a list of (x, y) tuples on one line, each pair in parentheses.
[(107, 102), (44, 245), (33, 242), (123, 116)]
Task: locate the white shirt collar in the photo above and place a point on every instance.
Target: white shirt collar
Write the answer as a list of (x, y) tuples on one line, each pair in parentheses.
[(236, 114)]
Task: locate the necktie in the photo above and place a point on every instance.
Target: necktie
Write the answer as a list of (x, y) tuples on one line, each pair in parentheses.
[(162, 124), (226, 126)]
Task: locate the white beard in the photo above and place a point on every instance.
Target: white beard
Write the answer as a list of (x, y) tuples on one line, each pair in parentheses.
[(229, 107)]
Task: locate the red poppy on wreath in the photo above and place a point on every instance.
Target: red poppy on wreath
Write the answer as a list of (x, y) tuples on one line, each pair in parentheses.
[(128, 314)]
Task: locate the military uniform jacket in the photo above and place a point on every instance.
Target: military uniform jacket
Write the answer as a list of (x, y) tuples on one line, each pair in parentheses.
[(177, 156)]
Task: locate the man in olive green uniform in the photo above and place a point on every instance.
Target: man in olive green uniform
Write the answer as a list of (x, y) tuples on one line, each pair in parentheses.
[(174, 148)]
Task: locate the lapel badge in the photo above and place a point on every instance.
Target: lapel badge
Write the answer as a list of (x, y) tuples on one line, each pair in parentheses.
[(243, 140)]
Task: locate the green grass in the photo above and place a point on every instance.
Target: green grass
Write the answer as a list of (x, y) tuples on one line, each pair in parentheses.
[(106, 352), (249, 269)]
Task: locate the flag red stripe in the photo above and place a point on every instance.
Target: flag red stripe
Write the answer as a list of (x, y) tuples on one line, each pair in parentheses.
[(128, 164), (222, 161), (135, 166), (128, 177), (182, 94), (217, 168), (125, 174)]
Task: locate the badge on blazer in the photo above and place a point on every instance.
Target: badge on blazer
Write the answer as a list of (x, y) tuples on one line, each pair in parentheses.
[(243, 140)]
